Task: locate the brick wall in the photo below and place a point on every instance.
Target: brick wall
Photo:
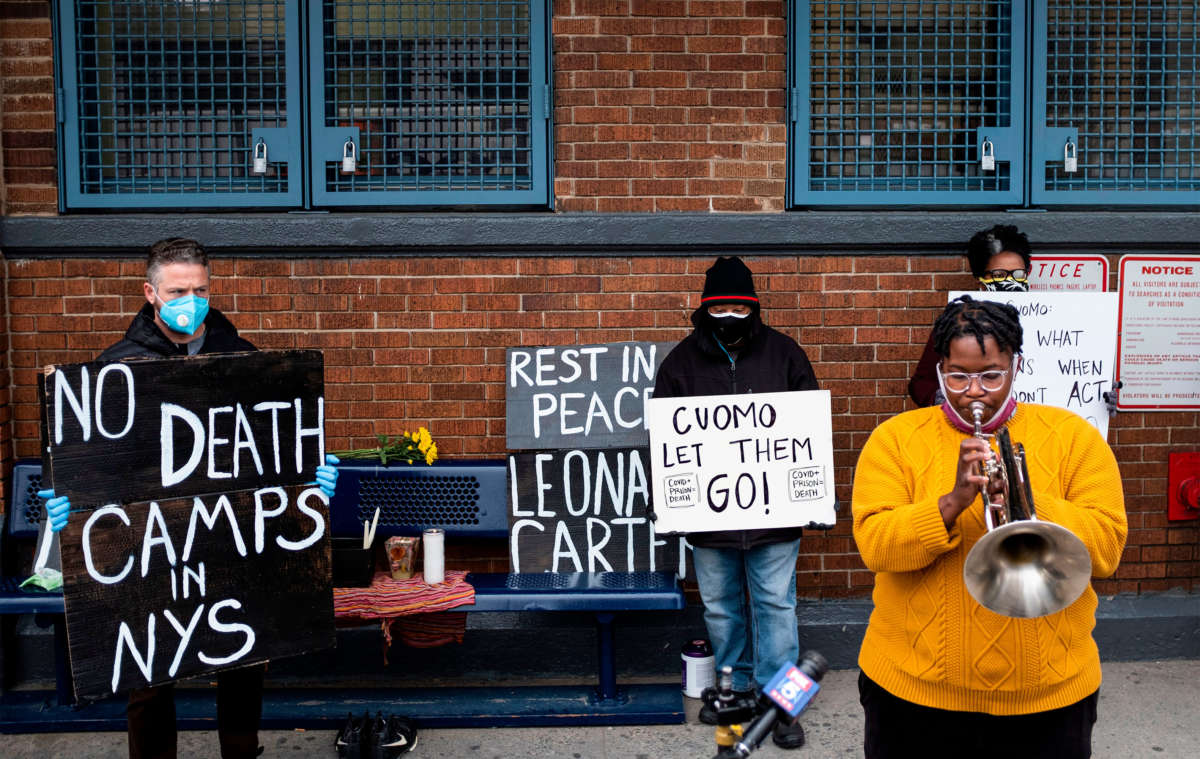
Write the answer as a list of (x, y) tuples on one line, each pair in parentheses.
[(660, 106), (421, 341), (669, 105), (27, 140)]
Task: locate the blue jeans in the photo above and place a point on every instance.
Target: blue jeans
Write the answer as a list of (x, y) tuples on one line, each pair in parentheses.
[(756, 641)]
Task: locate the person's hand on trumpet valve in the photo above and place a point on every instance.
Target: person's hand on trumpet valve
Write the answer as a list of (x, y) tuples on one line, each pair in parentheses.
[(973, 454)]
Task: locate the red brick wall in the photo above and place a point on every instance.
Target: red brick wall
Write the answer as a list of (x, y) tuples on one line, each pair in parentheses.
[(27, 182), (669, 105), (660, 106), (421, 341)]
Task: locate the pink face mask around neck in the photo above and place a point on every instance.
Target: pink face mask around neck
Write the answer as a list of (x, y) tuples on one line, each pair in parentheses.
[(996, 422)]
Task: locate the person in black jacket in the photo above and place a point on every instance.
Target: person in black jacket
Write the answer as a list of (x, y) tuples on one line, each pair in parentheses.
[(999, 258), (176, 321), (731, 351)]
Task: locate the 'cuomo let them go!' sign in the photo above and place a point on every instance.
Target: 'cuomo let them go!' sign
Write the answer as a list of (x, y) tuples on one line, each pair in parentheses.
[(736, 462)]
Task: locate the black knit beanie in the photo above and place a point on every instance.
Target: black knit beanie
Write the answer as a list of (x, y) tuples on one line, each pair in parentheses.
[(729, 281)]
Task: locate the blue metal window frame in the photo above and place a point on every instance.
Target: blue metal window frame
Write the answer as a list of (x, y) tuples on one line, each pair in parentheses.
[(1009, 141), (1050, 142), (281, 142), (296, 144), (327, 141)]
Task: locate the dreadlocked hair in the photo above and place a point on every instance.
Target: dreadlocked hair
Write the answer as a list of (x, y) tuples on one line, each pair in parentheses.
[(965, 316)]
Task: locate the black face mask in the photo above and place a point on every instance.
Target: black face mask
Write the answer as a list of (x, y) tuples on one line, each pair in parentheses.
[(730, 329)]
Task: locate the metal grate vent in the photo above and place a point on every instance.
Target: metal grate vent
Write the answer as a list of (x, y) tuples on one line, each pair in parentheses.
[(168, 92), (441, 500), (897, 91), (1125, 75), (27, 510), (438, 90)]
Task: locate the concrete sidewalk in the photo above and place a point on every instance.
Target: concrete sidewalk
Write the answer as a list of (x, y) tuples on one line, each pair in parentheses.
[(1147, 709)]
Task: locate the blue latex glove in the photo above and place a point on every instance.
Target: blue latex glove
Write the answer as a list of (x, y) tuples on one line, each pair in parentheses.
[(57, 508), (327, 475)]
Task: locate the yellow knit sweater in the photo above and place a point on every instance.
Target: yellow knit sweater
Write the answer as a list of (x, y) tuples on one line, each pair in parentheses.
[(928, 641)]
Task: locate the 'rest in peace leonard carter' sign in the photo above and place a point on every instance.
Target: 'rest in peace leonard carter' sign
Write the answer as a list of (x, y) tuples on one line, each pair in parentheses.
[(195, 542)]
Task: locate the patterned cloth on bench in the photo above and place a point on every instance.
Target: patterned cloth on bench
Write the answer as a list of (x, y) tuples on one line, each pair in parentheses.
[(405, 606)]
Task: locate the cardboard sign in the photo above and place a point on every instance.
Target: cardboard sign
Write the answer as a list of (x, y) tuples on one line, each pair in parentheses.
[(1068, 273), (1070, 340), (586, 511), (1158, 362), (195, 543), (579, 396), (737, 462)]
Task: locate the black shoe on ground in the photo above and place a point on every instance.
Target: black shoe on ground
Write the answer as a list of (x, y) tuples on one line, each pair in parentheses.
[(399, 736), (788, 736), (348, 743)]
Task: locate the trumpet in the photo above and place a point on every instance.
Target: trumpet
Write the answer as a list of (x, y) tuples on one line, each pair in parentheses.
[(1022, 567)]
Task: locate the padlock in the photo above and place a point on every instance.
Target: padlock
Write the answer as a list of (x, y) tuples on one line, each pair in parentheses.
[(259, 165), (1070, 161), (349, 157), (987, 156)]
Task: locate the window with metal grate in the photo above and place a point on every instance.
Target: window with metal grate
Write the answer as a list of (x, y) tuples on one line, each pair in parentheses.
[(1120, 93), (925, 103), (174, 104)]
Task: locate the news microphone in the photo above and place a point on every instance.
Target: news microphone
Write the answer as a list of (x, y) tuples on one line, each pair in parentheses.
[(790, 691)]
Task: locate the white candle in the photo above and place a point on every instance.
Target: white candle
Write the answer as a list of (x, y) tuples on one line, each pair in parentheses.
[(434, 544)]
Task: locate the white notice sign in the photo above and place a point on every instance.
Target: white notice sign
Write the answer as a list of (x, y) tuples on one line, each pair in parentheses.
[(1159, 361), (737, 462), (1070, 340)]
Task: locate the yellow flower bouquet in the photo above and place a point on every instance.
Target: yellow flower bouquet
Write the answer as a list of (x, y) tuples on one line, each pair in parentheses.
[(409, 447)]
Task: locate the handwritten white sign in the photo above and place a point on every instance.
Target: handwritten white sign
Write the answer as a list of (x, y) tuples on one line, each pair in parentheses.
[(736, 462), (1069, 348)]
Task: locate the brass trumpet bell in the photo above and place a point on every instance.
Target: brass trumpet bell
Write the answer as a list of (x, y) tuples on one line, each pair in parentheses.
[(1027, 569), (1022, 567)]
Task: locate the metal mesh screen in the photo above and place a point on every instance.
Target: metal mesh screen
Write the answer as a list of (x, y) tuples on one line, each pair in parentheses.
[(420, 501), (168, 92), (1125, 76), (898, 89), (439, 91)]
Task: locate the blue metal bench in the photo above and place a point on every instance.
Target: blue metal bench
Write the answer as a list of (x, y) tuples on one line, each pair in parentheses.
[(470, 499), (466, 499), (22, 522)]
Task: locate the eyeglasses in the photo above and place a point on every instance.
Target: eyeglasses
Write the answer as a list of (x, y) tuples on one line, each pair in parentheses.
[(998, 275), (959, 382)]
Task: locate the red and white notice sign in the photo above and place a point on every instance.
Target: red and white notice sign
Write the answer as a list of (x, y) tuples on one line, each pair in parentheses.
[(1158, 344), (1076, 274)]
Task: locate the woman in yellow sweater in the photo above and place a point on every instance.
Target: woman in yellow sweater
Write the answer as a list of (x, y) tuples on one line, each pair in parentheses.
[(942, 675)]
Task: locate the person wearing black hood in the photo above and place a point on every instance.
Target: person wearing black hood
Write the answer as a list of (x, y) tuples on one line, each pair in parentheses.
[(731, 351)]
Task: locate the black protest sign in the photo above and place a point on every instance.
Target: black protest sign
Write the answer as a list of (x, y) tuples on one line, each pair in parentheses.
[(195, 542), (168, 589), (165, 428), (586, 511), (580, 396)]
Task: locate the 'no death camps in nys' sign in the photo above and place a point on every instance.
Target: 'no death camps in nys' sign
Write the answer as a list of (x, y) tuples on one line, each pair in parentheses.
[(736, 462), (195, 542)]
